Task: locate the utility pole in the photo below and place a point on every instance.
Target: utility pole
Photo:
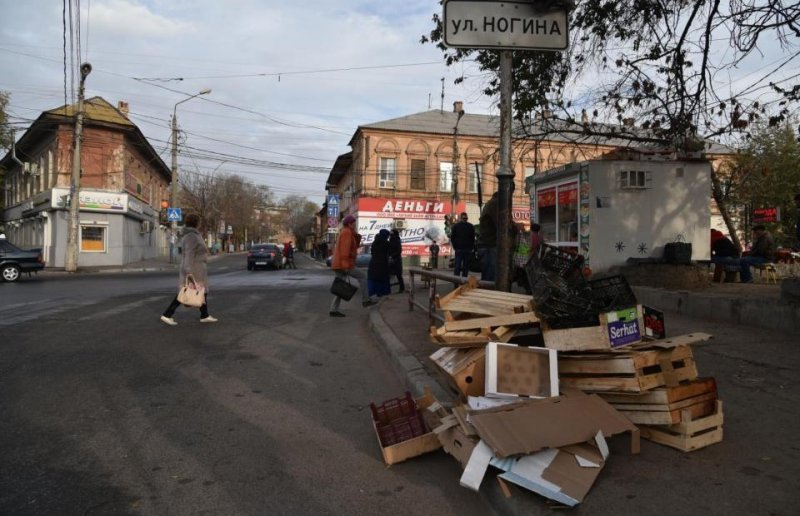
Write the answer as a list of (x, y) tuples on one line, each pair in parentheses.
[(505, 176), (173, 196), (71, 259), (456, 167)]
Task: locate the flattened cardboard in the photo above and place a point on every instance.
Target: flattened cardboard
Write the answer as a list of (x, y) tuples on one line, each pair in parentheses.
[(476, 467), (550, 423), (515, 371), (564, 475)]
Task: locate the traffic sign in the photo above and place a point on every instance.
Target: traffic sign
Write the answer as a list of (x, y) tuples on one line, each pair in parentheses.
[(333, 200), (504, 25), (174, 215)]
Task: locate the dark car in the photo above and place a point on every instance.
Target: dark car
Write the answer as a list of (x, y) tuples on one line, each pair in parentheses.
[(264, 255), (14, 261), (362, 258)]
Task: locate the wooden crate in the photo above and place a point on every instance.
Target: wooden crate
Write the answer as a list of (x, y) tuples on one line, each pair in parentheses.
[(465, 369), (667, 405), (470, 299), (478, 331), (629, 371), (690, 434), (591, 338), (405, 450)]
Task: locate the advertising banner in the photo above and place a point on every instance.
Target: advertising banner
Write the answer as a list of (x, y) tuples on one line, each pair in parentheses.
[(422, 222)]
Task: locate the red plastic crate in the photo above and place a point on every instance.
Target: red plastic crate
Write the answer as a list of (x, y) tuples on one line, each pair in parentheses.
[(401, 429), (393, 409)]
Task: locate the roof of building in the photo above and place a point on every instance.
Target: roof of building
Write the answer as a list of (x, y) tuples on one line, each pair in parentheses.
[(95, 108), (549, 129)]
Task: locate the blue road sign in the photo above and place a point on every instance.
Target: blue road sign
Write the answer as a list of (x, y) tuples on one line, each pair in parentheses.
[(174, 215), (333, 200)]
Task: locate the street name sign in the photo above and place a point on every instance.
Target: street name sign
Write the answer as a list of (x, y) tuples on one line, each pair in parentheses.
[(504, 25)]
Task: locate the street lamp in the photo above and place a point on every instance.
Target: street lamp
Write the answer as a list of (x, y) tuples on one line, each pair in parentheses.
[(173, 196)]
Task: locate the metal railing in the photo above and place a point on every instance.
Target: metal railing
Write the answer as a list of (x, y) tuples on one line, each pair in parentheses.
[(430, 277)]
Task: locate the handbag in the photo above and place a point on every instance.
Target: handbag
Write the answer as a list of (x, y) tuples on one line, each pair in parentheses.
[(343, 288), (678, 252), (191, 295)]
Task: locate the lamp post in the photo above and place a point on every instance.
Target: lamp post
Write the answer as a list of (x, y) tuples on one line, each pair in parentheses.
[(173, 196), (71, 259)]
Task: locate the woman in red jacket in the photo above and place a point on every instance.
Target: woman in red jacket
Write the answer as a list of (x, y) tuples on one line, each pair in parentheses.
[(344, 264)]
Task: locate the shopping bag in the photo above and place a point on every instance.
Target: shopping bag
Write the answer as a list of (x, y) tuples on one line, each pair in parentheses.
[(678, 252), (343, 288), (191, 295)]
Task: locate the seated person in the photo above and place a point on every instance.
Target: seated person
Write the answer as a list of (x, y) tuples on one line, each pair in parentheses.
[(723, 250), (763, 251)]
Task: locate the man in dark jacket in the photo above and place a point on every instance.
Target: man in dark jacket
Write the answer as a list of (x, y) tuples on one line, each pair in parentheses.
[(763, 251), (396, 258), (462, 238)]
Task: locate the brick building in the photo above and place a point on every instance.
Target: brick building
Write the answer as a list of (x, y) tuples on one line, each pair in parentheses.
[(123, 181)]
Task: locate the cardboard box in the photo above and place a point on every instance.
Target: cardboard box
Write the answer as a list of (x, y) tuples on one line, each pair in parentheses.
[(423, 443), (564, 475), (465, 368), (614, 330), (520, 371), (550, 423)]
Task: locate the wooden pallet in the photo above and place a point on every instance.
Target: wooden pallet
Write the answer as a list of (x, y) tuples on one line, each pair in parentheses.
[(667, 405), (631, 371), (470, 299), (478, 331), (690, 434)]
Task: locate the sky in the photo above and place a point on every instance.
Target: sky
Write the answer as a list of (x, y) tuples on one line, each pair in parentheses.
[(290, 81)]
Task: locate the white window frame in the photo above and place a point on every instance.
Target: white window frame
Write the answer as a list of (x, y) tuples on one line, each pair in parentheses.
[(635, 179), (445, 176), (387, 173), (103, 227), (472, 179)]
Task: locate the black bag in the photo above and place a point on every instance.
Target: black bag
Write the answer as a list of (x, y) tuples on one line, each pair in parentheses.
[(343, 288), (678, 252)]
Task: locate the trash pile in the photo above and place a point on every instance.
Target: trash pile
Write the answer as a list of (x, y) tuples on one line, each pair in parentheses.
[(543, 380)]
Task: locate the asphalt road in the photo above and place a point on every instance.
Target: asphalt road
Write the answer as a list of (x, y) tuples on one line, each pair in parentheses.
[(106, 410)]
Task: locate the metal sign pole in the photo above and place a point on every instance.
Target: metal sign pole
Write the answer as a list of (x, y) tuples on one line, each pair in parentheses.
[(505, 176)]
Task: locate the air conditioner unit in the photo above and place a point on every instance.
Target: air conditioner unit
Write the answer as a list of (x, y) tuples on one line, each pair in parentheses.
[(399, 224), (385, 183)]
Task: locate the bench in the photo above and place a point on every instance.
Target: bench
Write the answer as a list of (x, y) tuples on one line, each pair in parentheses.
[(769, 268)]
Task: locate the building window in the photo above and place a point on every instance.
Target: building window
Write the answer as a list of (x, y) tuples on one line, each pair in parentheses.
[(387, 173), (634, 179), (93, 239), (557, 208), (418, 174), (445, 176), (475, 171), (529, 172)]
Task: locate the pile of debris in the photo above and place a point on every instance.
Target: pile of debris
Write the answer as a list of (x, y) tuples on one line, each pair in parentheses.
[(587, 363)]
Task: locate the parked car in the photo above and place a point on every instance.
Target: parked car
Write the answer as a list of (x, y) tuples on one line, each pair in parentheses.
[(14, 261), (362, 258), (265, 255)]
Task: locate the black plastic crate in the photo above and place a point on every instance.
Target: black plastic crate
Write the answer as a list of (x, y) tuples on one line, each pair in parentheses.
[(612, 293)]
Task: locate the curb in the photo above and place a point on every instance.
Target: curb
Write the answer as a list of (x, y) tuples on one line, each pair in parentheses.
[(759, 312), (405, 364)]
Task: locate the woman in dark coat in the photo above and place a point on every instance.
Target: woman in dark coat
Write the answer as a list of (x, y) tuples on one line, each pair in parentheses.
[(378, 270), (396, 259)]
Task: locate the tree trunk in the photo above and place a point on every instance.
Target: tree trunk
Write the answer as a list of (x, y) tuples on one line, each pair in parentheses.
[(719, 198)]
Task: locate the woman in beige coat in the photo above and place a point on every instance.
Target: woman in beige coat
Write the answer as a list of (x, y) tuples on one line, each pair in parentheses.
[(193, 267)]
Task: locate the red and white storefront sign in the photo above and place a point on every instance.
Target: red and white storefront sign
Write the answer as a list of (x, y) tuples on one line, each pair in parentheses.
[(423, 222)]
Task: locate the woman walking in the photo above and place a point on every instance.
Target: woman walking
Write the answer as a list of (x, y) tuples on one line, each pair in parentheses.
[(396, 259), (193, 268), (344, 264)]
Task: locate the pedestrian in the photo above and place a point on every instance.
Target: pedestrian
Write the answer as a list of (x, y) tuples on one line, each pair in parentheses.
[(194, 255), (434, 250), (379, 272), (763, 251), (396, 259), (462, 238), (288, 255), (487, 239), (344, 264)]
